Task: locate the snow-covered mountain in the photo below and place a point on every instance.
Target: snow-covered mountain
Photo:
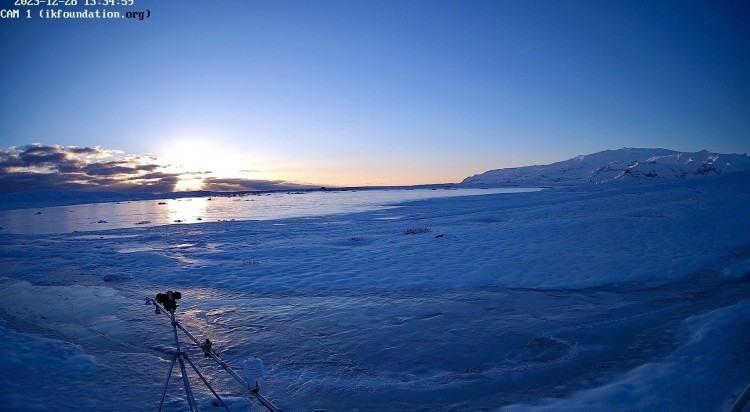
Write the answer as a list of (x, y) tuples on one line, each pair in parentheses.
[(626, 164)]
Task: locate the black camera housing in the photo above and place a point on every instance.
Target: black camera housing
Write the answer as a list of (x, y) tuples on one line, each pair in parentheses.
[(169, 299)]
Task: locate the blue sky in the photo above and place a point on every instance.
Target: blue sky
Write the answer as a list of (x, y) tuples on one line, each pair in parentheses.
[(379, 92)]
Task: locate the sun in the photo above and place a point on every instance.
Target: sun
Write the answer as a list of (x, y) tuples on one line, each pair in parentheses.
[(188, 184), (194, 161)]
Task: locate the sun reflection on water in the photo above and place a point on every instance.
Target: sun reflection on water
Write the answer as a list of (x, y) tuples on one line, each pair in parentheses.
[(187, 210)]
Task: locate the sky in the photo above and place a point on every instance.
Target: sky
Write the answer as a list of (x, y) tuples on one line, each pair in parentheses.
[(237, 94)]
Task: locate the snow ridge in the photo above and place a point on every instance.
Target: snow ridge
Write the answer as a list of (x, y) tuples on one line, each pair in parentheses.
[(626, 164)]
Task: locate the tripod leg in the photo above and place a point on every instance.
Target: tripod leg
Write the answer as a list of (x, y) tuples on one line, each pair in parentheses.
[(186, 382), (200, 375), (166, 384)]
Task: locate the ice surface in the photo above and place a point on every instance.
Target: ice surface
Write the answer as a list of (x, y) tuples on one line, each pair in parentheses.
[(188, 210), (628, 297), (693, 377)]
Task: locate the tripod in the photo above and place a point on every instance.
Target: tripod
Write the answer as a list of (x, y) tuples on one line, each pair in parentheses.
[(182, 357), (166, 303)]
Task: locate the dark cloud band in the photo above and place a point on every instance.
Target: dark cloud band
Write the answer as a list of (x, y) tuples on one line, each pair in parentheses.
[(79, 168), (39, 166)]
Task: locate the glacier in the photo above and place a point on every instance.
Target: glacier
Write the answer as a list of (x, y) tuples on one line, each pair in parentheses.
[(626, 164)]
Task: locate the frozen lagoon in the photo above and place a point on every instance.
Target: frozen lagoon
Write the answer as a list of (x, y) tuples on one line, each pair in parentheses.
[(192, 210), (603, 298)]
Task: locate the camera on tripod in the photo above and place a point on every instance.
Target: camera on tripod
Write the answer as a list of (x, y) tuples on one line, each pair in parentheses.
[(166, 303), (168, 300)]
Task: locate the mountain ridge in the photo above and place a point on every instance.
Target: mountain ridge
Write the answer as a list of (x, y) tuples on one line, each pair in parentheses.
[(625, 164)]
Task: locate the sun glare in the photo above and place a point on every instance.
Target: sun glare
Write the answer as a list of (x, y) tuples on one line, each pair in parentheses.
[(196, 161), (188, 185), (186, 210)]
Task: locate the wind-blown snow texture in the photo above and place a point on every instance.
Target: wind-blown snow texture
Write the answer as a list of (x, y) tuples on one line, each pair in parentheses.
[(599, 297), (618, 165)]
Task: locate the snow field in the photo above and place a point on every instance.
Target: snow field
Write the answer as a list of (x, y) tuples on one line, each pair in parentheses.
[(613, 296), (710, 349)]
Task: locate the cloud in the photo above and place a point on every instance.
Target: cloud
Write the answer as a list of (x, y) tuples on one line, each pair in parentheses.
[(38, 166), (86, 150), (238, 185), (117, 168), (16, 182)]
